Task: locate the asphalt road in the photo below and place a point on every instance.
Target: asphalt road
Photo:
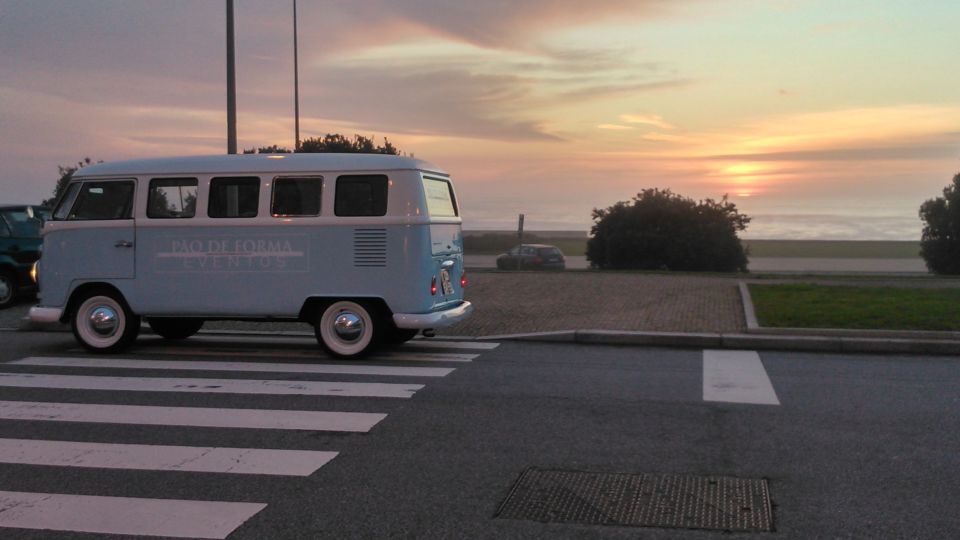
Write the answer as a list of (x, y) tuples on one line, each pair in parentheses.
[(858, 446)]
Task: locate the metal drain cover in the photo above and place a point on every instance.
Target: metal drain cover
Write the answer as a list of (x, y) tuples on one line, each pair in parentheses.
[(640, 500)]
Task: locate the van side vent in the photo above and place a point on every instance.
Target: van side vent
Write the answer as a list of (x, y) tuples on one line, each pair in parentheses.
[(369, 248)]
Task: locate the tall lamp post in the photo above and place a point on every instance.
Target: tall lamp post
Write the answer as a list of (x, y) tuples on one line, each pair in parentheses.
[(296, 83), (231, 85)]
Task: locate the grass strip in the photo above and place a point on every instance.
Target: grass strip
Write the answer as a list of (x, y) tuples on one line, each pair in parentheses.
[(841, 306)]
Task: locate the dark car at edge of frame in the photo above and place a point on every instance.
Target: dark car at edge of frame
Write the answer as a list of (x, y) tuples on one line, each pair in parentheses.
[(20, 247)]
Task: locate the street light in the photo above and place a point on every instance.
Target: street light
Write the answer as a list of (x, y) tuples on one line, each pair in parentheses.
[(231, 85), (296, 83)]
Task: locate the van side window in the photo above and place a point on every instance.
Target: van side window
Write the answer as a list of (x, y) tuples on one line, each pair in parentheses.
[(103, 200), (234, 197), (361, 195), (296, 197), (172, 198)]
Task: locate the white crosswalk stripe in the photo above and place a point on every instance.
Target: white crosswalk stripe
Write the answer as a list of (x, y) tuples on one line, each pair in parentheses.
[(123, 515), (106, 514), (215, 386), (299, 353), (736, 377), (334, 369), (190, 416), (436, 344), (163, 457)]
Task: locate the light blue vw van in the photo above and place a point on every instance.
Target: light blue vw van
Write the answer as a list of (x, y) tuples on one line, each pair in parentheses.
[(366, 248)]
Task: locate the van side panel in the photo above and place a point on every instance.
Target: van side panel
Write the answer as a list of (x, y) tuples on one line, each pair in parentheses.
[(270, 270)]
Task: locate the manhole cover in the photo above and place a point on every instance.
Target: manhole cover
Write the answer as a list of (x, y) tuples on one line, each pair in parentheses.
[(640, 500)]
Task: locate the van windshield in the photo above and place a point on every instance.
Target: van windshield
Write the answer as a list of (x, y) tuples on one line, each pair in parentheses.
[(440, 200)]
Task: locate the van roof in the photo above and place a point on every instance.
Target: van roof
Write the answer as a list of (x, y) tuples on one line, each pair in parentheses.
[(259, 163)]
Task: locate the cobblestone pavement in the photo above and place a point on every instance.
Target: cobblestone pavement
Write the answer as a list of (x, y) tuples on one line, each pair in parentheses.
[(513, 302)]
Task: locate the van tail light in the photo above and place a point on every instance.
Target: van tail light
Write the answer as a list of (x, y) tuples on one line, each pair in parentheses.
[(433, 286), (463, 280)]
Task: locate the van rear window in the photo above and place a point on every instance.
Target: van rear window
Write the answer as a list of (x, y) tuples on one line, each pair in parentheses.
[(361, 195), (440, 200)]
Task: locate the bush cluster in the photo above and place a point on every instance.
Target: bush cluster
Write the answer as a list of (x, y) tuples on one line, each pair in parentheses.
[(660, 230)]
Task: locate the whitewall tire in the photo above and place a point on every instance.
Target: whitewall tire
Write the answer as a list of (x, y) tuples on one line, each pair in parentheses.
[(348, 329)]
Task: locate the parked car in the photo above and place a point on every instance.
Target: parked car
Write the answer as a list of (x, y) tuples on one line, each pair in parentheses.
[(532, 257), (20, 245)]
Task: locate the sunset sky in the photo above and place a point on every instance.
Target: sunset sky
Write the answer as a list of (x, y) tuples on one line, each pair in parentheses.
[(826, 119)]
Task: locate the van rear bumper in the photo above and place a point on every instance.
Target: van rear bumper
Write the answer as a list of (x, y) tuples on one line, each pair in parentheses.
[(435, 319)]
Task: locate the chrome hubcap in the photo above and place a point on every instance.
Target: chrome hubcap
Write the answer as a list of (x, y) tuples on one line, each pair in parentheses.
[(103, 321), (5, 288), (348, 326)]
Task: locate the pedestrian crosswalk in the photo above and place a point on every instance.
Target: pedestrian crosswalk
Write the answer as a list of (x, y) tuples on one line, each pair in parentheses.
[(98, 391)]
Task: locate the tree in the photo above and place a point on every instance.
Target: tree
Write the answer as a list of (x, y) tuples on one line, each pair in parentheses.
[(660, 230), (940, 242), (272, 149), (333, 143), (66, 173)]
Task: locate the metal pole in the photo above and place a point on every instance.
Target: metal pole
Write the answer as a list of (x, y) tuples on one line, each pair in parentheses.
[(231, 85), (296, 83), (520, 235)]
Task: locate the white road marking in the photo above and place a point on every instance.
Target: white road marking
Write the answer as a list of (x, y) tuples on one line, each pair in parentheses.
[(434, 344), (336, 369), (354, 422), (218, 386), (162, 457), (123, 515), (736, 377), (297, 353)]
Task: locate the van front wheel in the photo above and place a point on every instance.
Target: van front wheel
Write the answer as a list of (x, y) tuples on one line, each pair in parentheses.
[(103, 323), (348, 329)]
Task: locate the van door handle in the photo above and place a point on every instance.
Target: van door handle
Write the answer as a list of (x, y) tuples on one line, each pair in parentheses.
[(446, 264), (123, 243)]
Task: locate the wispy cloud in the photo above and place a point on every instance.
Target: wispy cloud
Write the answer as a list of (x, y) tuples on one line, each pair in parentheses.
[(648, 119)]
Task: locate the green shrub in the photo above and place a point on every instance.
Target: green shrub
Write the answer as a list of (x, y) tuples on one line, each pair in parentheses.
[(660, 230)]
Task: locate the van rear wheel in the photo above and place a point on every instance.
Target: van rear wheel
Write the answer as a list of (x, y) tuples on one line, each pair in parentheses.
[(348, 329), (103, 323), (174, 328)]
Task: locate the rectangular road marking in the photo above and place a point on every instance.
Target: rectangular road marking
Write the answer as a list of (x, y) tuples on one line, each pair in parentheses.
[(336, 369), (163, 458), (217, 386), (123, 515), (354, 422), (736, 377), (298, 353), (434, 344)]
